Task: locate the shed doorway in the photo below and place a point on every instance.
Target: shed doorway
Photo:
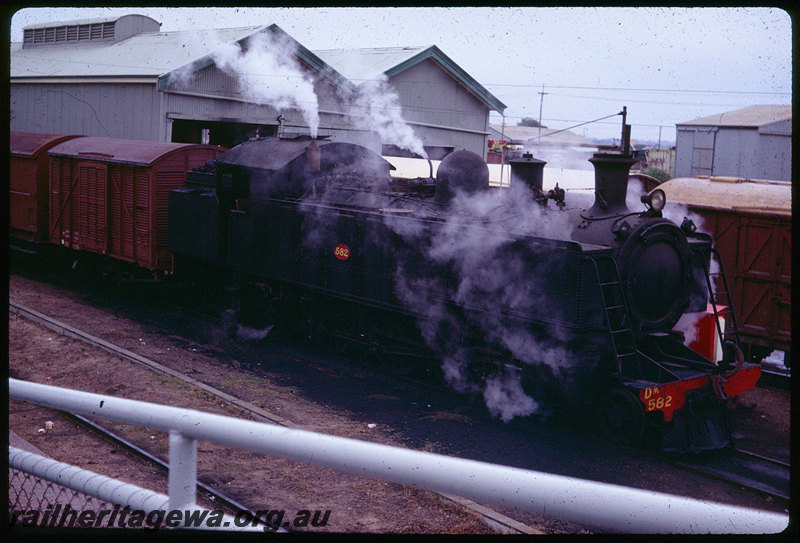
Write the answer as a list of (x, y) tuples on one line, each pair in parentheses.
[(224, 134)]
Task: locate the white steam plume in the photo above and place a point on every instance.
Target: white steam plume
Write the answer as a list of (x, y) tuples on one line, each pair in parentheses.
[(485, 272), (560, 156), (377, 106), (687, 325), (677, 212), (253, 334), (268, 73), (633, 198), (505, 398)]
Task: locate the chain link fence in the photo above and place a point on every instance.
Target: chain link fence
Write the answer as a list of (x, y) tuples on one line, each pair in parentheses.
[(46, 493), (27, 492)]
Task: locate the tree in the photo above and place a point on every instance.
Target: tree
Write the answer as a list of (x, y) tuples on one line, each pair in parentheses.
[(529, 121)]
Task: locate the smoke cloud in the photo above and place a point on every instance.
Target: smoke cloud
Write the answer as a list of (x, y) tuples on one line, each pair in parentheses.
[(232, 328), (376, 107), (268, 73), (471, 279), (561, 156), (252, 334), (633, 198), (505, 398), (678, 212), (687, 325)]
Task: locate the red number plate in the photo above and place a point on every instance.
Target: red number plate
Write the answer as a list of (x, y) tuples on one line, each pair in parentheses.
[(341, 251)]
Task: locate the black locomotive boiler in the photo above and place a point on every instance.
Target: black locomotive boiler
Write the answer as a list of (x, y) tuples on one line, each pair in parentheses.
[(515, 288)]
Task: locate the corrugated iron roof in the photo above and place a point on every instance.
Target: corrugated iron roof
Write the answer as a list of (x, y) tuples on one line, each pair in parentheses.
[(731, 193), (754, 116), (95, 20), (160, 53), (135, 152), (145, 54), (360, 65), (522, 134), (308, 57)]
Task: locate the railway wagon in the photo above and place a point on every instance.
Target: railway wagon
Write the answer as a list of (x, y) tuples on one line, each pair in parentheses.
[(109, 196), (29, 183), (751, 222)]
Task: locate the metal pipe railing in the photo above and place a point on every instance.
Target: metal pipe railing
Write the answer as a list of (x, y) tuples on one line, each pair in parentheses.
[(600, 505), (182, 479)]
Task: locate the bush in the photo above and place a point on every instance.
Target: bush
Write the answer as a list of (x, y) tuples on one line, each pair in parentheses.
[(658, 173)]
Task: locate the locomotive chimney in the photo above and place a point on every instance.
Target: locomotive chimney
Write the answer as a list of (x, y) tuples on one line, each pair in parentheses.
[(313, 156), (611, 177), (610, 184), (528, 170)]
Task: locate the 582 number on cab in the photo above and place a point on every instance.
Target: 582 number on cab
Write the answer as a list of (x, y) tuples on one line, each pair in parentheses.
[(341, 251)]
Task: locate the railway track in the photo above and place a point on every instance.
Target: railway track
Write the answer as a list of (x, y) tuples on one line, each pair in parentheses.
[(209, 492), (492, 518), (771, 378), (767, 476)]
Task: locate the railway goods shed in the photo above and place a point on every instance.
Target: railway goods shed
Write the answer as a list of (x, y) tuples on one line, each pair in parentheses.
[(197, 86), (751, 223)]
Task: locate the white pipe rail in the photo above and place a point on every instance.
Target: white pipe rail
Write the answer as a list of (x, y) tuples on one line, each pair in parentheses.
[(603, 506)]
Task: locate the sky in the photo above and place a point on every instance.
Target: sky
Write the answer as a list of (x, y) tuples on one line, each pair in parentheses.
[(573, 65)]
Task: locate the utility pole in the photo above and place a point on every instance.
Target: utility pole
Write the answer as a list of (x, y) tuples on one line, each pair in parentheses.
[(503, 151), (541, 103)]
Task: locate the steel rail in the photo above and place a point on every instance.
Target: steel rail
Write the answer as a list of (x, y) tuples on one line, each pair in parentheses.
[(138, 451), (765, 476)]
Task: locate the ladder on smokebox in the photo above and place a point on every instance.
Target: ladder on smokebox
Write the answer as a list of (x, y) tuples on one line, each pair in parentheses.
[(721, 298), (617, 317)]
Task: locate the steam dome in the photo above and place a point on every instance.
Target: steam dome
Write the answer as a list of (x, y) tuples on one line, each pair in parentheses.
[(460, 171)]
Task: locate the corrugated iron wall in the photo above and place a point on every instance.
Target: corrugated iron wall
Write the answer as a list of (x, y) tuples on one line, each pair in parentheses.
[(128, 111)]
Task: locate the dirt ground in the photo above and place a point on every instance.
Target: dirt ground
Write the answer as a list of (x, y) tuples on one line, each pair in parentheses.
[(764, 412), (357, 504), (259, 482)]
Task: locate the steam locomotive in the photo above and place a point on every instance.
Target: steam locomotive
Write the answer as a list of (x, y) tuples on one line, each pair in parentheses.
[(530, 297), (521, 293)]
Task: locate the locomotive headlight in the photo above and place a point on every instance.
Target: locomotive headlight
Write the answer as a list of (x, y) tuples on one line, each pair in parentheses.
[(656, 199)]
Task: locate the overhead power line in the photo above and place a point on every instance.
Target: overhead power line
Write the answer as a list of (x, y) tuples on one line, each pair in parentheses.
[(597, 121), (627, 89), (659, 102)]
